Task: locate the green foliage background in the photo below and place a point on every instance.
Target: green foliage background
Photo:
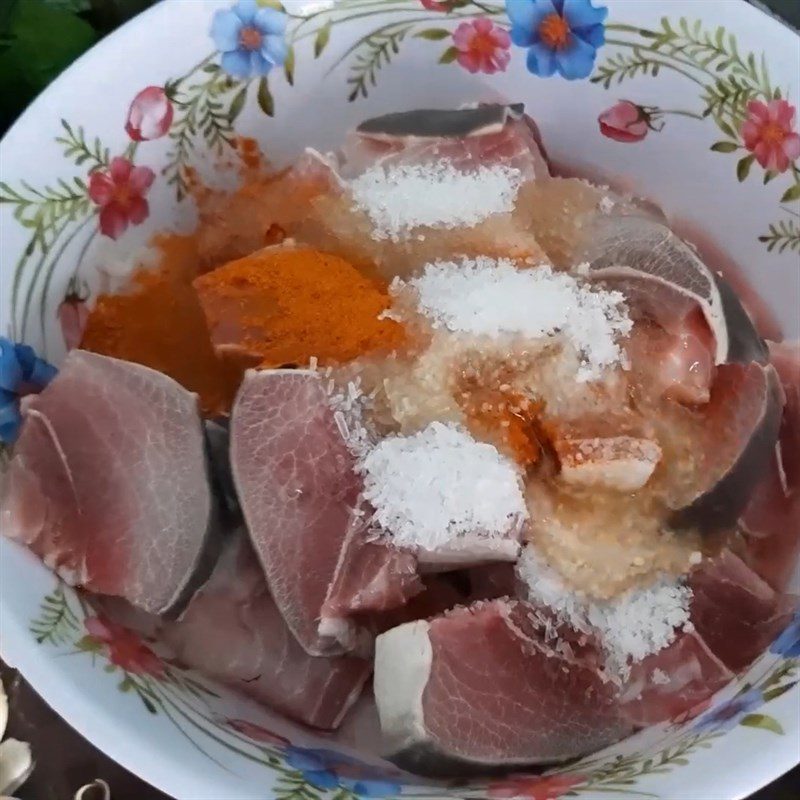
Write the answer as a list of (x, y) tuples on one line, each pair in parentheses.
[(40, 38)]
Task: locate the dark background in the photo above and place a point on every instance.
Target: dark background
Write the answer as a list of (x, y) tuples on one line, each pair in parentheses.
[(39, 39)]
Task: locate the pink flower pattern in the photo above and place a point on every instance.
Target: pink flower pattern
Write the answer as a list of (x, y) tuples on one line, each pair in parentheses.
[(126, 649), (533, 787), (624, 122), (482, 46), (441, 5), (120, 192), (769, 134), (150, 115)]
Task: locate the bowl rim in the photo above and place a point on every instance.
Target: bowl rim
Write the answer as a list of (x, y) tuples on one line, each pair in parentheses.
[(54, 687)]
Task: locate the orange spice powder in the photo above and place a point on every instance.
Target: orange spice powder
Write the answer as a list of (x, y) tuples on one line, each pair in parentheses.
[(283, 306), (158, 322), (509, 420), (262, 211)]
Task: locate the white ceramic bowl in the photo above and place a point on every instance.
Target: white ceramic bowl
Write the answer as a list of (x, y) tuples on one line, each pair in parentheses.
[(692, 67)]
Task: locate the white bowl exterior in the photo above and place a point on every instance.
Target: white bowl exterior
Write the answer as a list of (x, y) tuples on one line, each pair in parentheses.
[(674, 167)]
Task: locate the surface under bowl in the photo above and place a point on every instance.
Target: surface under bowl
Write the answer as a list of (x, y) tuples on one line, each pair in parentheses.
[(690, 68)]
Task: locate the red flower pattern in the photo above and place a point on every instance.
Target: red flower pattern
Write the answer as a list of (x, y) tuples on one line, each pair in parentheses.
[(534, 787), (120, 193), (769, 134), (624, 122), (150, 115), (441, 5), (482, 46), (125, 648)]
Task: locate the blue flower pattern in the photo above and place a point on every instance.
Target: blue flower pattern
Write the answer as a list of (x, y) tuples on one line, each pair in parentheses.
[(327, 769), (250, 38), (21, 372), (727, 716), (788, 643), (561, 35)]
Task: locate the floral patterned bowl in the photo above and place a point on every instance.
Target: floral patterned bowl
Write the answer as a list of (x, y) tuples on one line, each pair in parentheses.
[(696, 109)]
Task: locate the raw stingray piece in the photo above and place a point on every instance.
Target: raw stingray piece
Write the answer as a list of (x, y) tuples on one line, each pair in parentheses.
[(371, 577), (677, 366), (297, 487), (481, 689), (673, 681), (650, 296), (771, 521), (337, 224), (109, 484), (650, 247), (466, 137), (742, 419), (233, 631), (672, 344), (785, 357), (770, 528), (736, 612), (298, 490)]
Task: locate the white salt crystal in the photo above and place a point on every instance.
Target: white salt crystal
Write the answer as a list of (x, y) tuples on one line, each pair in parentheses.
[(630, 627), (341, 424), (402, 197), (439, 484), (659, 677), (492, 297), (607, 205), (349, 405), (642, 621)]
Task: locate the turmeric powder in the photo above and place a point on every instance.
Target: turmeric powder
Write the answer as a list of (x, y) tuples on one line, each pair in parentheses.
[(158, 322), (283, 306)]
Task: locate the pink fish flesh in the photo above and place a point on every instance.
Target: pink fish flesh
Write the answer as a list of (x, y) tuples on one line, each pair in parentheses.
[(482, 688), (298, 491), (736, 612), (109, 483), (742, 419), (457, 136), (673, 681), (234, 632)]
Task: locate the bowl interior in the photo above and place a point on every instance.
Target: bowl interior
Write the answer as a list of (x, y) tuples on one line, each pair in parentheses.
[(692, 80)]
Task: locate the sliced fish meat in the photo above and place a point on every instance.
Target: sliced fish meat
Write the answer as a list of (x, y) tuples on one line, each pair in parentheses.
[(737, 613), (109, 483), (741, 424), (649, 246), (482, 689), (468, 137), (234, 632), (299, 493), (673, 682)]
